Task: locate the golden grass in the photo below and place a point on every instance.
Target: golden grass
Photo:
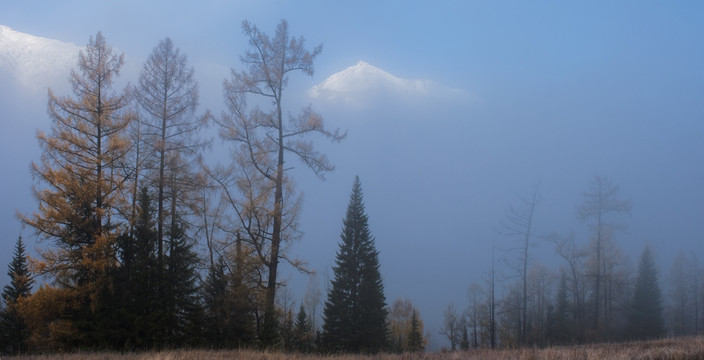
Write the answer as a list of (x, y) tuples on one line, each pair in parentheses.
[(669, 349)]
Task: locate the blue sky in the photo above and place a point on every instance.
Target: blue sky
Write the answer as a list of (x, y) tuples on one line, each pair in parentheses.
[(557, 92)]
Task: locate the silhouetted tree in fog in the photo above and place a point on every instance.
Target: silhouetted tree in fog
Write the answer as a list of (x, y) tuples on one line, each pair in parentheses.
[(645, 320), (451, 326), (599, 201), (518, 224)]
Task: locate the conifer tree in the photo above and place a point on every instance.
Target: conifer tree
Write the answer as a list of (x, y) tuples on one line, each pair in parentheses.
[(216, 304), (168, 93), (14, 331), (183, 309), (80, 190), (303, 331), (464, 334), (645, 320), (137, 276), (228, 317), (415, 338), (355, 312), (559, 321)]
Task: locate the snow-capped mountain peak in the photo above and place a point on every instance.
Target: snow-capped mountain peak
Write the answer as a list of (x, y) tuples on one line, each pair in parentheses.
[(364, 78), (35, 62), (364, 83)]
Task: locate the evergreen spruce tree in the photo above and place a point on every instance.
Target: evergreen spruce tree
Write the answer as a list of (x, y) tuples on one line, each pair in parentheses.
[(464, 335), (14, 330), (559, 321), (228, 319), (415, 338), (645, 320), (355, 311), (136, 279), (303, 331), (183, 324), (216, 305)]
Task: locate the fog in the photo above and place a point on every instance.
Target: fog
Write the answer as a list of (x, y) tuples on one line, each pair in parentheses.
[(532, 95)]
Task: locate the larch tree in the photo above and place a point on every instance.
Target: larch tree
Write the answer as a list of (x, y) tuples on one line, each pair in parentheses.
[(684, 283), (168, 93), (600, 201), (262, 138), (14, 331), (355, 311), (645, 319), (80, 182), (450, 326), (518, 224), (473, 311), (400, 321)]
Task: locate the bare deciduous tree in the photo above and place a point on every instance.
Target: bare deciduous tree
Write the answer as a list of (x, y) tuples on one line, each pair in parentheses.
[(474, 293), (262, 138), (567, 249), (518, 224), (168, 94), (683, 309), (451, 326)]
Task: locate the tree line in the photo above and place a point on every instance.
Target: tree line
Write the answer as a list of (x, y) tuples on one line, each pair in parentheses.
[(595, 294), (125, 196)]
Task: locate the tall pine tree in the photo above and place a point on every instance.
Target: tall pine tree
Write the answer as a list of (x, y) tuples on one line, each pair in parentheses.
[(355, 312), (14, 330), (645, 319)]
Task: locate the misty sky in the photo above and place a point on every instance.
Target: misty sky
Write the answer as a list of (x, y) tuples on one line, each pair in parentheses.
[(523, 93)]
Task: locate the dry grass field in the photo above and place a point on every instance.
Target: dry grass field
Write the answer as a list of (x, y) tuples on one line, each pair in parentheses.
[(671, 349)]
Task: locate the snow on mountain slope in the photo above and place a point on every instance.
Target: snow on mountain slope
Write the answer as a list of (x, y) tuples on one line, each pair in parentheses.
[(35, 62), (363, 83)]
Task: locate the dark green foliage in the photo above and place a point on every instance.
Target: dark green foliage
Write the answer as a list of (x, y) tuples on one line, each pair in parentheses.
[(13, 329), (559, 320), (216, 305), (645, 320), (355, 312), (415, 338), (229, 321), (286, 331), (136, 282), (269, 334), (141, 315), (303, 332), (464, 334), (183, 315)]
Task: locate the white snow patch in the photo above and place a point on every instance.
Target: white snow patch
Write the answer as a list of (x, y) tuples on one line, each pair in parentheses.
[(36, 62)]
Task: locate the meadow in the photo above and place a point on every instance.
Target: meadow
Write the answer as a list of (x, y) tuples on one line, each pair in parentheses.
[(684, 348)]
